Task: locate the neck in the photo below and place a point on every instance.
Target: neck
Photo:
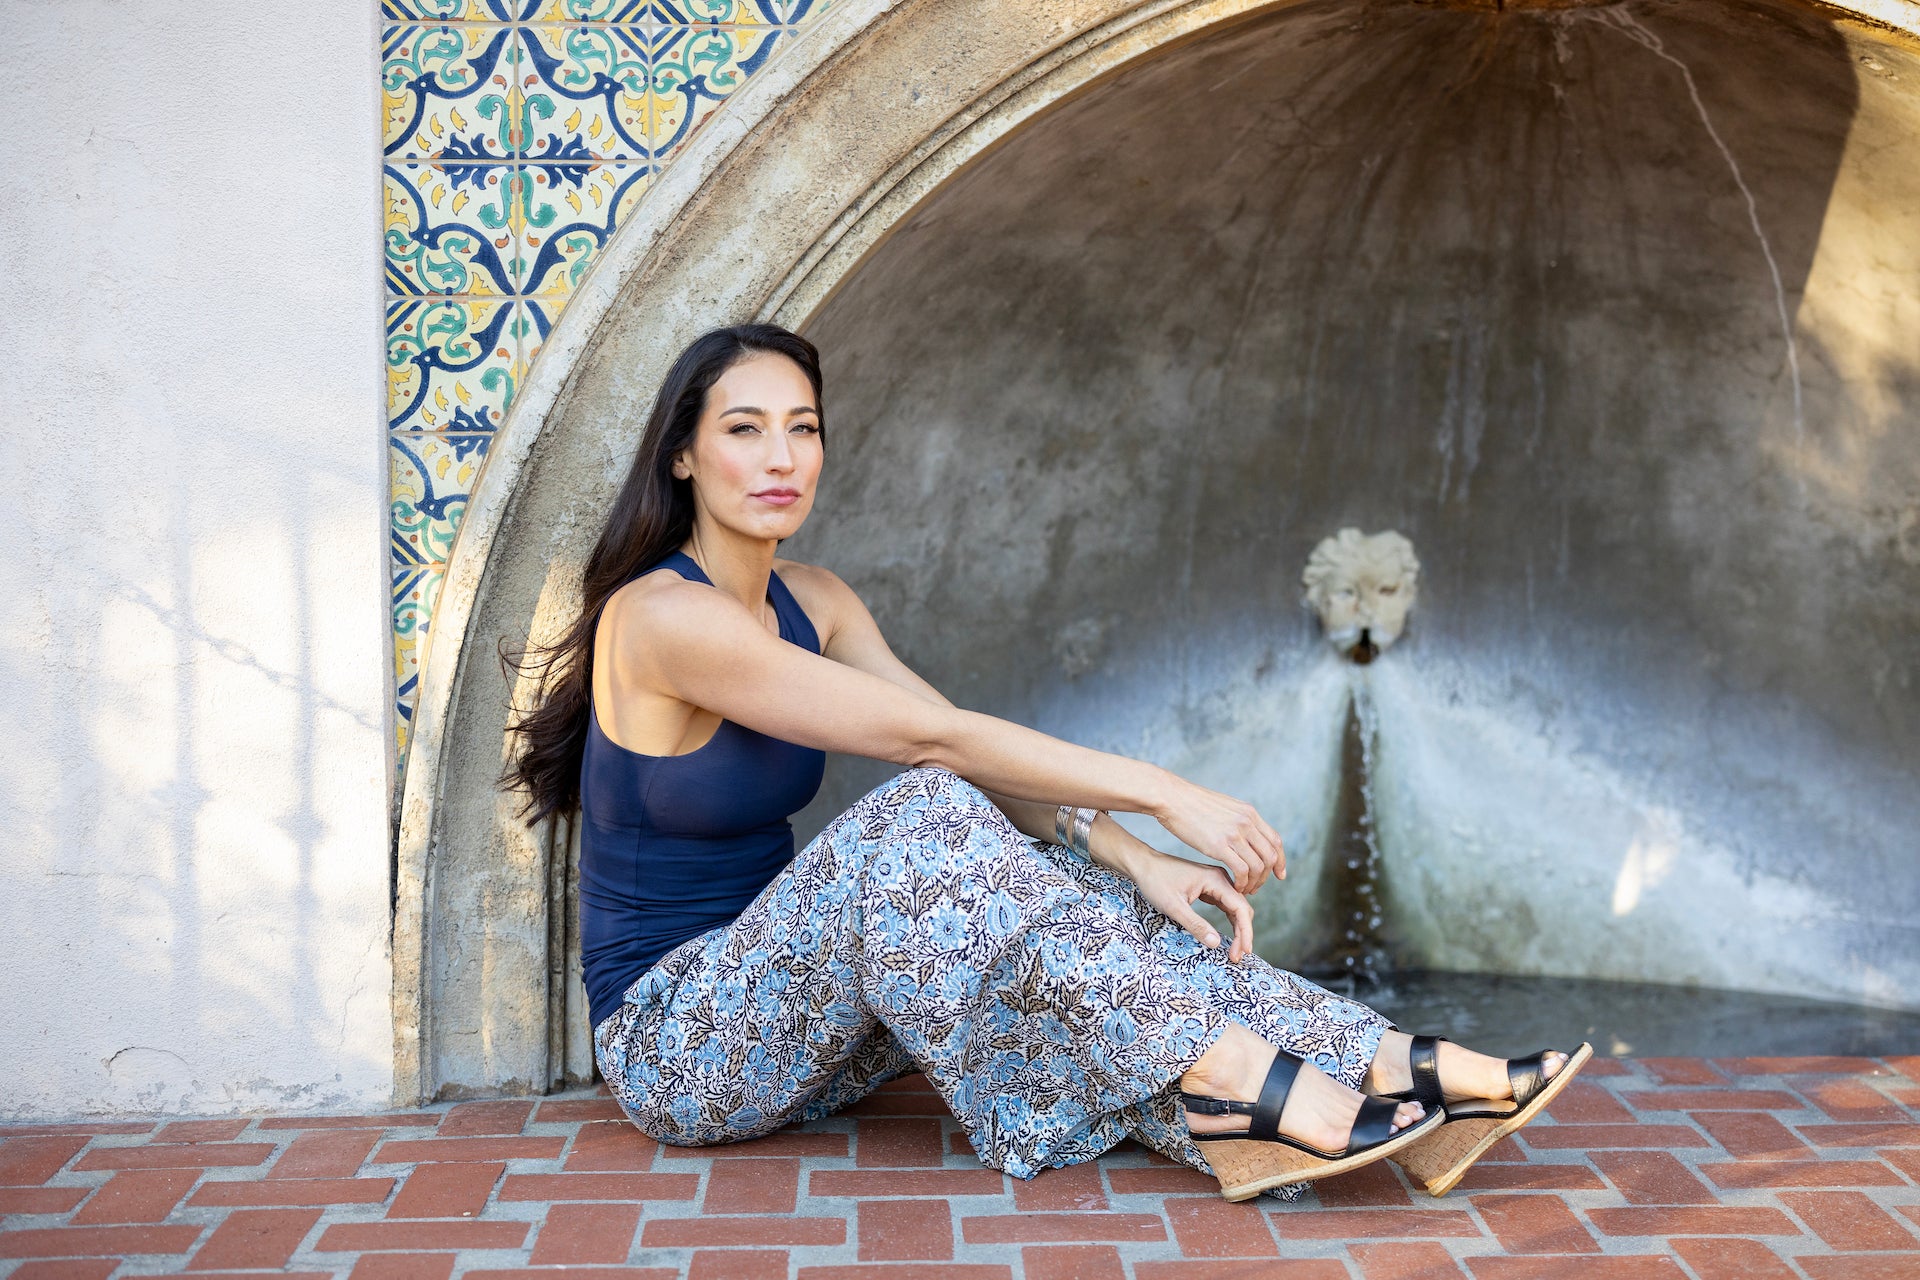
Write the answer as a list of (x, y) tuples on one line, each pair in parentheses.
[(739, 566)]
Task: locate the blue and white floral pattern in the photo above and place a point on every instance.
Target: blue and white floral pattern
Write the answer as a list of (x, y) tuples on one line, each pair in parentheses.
[(1053, 1009)]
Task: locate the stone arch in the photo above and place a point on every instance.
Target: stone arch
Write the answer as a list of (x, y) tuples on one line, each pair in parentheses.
[(812, 161), (775, 203)]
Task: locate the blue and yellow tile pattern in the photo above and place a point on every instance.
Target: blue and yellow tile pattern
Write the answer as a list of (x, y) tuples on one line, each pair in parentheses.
[(519, 136)]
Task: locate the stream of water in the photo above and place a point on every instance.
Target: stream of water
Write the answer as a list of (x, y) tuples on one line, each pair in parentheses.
[(1509, 1014), (1356, 959)]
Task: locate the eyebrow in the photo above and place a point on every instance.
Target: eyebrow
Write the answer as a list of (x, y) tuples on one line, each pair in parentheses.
[(747, 408)]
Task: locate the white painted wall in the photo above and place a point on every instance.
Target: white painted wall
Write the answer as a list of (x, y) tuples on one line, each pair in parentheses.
[(194, 757)]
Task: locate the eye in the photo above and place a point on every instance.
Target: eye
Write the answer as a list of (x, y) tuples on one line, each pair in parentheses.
[(812, 428), (738, 427)]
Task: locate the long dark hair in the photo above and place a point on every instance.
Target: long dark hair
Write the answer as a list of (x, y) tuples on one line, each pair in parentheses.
[(652, 516)]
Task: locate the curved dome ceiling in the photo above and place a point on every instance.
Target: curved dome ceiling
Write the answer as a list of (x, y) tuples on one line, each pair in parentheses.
[(1608, 309)]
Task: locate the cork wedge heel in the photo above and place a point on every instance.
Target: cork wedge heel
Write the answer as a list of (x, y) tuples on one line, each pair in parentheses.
[(1262, 1157), (1440, 1159)]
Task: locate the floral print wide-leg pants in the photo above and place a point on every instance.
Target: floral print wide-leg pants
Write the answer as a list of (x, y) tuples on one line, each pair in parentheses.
[(1053, 1009)]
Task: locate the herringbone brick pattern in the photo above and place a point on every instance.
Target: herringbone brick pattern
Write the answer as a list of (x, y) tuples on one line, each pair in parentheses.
[(1717, 1169)]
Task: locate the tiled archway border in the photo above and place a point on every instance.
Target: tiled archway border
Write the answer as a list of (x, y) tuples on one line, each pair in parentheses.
[(770, 206), (519, 135)]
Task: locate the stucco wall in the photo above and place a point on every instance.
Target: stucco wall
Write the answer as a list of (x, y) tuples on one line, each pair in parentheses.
[(193, 625)]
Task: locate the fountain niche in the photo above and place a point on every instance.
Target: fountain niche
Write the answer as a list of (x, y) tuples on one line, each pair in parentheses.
[(1610, 309)]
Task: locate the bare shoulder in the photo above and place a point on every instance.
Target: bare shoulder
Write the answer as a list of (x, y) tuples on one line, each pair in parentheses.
[(661, 603), (827, 599), (649, 593), (809, 577)]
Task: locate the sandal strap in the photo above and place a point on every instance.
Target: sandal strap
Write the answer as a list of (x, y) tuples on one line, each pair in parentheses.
[(1265, 1125), (1201, 1104), (1423, 1059), (1528, 1077), (1373, 1125)]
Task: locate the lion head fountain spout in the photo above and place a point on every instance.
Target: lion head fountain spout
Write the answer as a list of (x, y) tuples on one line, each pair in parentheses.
[(1361, 586)]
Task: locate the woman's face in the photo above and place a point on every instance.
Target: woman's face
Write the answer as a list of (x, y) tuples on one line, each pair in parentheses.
[(756, 454)]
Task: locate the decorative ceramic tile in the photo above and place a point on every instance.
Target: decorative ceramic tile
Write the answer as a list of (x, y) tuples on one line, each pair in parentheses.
[(449, 229), (586, 92), (461, 10), (416, 589), (449, 91), (432, 476), (594, 11), (415, 586), (693, 70), (791, 11), (448, 365), (709, 13), (683, 13), (573, 210), (532, 324)]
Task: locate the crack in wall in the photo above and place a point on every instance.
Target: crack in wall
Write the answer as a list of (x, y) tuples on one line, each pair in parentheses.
[(1633, 30)]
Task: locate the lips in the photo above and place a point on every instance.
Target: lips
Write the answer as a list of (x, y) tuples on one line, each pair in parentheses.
[(778, 497)]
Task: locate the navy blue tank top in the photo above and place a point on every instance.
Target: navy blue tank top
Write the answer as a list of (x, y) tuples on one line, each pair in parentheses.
[(672, 846)]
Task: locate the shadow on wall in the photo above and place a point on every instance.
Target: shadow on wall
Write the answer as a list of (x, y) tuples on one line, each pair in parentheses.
[(1606, 308), (199, 922)]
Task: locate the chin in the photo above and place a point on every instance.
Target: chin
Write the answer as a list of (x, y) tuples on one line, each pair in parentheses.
[(783, 524)]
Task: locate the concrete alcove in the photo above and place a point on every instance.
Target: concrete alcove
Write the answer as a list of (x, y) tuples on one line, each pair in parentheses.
[(1602, 305)]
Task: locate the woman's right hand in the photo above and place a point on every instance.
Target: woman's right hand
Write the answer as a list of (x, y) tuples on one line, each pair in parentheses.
[(1229, 831)]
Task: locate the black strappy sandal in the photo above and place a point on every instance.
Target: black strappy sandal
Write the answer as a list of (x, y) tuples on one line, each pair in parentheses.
[(1471, 1128), (1249, 1162)]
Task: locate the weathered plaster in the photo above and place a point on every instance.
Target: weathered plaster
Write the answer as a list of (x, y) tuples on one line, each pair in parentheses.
[(1096, 397)]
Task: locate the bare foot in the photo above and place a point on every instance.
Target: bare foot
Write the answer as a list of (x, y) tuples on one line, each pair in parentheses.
[(1319, 1111), (1464, 1074)]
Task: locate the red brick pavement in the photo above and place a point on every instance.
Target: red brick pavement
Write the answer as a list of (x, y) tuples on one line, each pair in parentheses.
[(1727, 1169)]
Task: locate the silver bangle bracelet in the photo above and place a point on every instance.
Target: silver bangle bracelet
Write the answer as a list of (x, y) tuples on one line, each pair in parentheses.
[(1073, 827)]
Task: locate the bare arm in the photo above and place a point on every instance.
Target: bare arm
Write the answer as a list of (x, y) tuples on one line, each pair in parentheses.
[(694, 643), (855, 640), (704, 649), (1171, 884)]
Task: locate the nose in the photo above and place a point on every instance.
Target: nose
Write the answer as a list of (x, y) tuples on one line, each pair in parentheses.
[(781, 457)]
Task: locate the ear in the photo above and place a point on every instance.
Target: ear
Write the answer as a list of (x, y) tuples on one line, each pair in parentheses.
[(680, 469)]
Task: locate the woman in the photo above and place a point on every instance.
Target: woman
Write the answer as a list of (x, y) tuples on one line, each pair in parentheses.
[(1060, 996)]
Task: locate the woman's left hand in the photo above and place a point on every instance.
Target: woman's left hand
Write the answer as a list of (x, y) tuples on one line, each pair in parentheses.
[(1172, 885)]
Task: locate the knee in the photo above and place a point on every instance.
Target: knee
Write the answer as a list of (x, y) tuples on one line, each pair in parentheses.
[(933, 808)]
